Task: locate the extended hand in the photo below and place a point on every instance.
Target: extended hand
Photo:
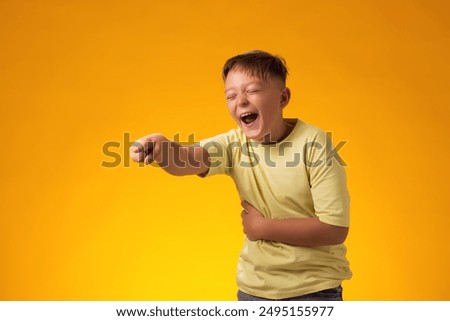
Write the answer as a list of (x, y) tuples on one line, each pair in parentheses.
[(253, 221), (146, 149)]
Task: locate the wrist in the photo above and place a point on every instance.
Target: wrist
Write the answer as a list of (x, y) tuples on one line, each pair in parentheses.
[(265, 227)]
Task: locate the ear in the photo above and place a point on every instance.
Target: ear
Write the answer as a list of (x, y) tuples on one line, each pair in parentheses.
[(285, 97)]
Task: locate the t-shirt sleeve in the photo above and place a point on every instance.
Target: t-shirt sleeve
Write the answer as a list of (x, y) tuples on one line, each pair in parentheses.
[(328, 182), (219, 152)]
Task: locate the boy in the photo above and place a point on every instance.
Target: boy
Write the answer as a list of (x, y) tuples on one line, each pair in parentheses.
[(294, 195)]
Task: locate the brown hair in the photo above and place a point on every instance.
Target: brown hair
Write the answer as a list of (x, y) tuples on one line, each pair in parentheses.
[(257, 63)]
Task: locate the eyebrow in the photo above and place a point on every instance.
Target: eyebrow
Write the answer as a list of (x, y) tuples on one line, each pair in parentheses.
[(248, 84)]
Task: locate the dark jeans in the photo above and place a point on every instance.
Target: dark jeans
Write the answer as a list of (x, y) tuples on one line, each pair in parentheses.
[(334, 294)]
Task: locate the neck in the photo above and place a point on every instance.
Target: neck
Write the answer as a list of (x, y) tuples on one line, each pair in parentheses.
[(279, 134)]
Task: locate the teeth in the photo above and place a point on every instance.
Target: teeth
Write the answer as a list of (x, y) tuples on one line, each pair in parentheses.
[(246, 114)]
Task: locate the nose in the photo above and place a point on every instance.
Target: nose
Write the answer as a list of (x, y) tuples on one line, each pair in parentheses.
[(242, 101)]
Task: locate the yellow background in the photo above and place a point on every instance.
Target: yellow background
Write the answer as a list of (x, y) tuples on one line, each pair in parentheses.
[(75, 75)]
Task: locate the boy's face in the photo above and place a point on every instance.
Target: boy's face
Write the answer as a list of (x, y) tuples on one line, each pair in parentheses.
[(256, 105)]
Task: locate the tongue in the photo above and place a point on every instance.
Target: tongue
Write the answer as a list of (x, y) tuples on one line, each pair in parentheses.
[(249, 118)]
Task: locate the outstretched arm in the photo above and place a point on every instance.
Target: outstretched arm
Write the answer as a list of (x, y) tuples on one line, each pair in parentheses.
[(294, 231), (174, 158)]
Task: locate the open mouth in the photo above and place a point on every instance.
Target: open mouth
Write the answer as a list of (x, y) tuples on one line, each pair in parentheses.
[(249, 118)]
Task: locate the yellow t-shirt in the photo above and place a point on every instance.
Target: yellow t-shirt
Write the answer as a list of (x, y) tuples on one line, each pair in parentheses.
[(295, 178)]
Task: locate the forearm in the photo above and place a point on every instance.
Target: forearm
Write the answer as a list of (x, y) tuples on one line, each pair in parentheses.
[(180, 160), (306, 232)]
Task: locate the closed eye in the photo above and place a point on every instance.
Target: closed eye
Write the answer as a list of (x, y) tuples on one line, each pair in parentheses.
[(230, 97)]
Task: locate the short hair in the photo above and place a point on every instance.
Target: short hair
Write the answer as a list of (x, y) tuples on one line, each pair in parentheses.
[(257, 63)]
